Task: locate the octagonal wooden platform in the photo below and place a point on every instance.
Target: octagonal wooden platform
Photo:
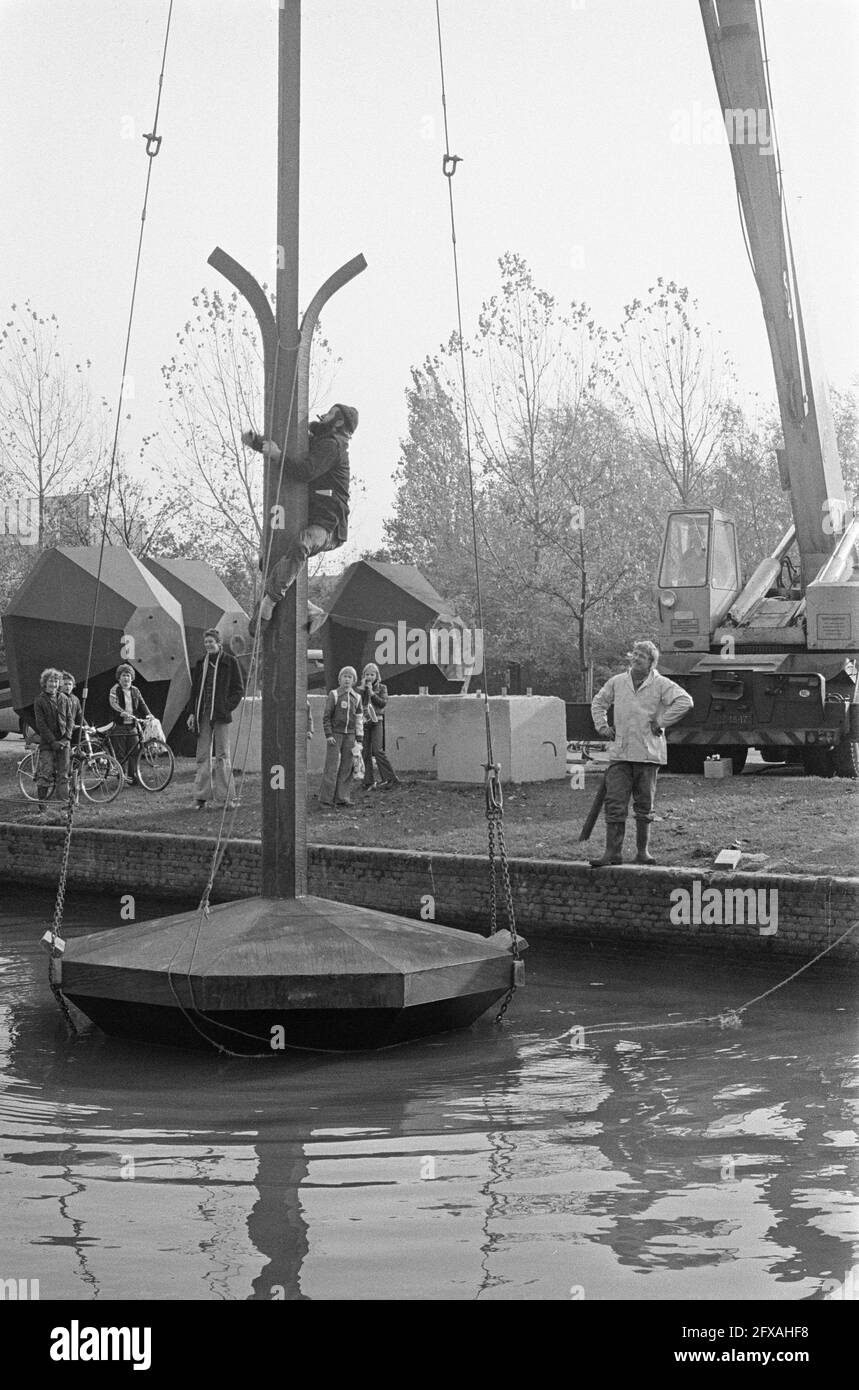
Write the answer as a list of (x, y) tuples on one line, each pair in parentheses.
[(263, 974)]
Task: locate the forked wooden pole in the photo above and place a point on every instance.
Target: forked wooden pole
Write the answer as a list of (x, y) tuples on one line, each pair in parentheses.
[(286, 364)]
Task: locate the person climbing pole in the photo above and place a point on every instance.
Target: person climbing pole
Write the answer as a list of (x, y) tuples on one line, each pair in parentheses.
[(645, 704), (326, 468)]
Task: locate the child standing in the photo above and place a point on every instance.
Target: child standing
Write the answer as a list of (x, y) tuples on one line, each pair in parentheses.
[(374, 697), (128, 705), (53, 715), (67, 684), (343, 722)]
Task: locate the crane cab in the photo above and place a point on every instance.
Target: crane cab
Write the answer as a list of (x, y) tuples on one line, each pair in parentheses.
[(698, 579)]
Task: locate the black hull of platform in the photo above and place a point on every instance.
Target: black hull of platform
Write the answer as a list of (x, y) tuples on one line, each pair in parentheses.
[(356, 1030)]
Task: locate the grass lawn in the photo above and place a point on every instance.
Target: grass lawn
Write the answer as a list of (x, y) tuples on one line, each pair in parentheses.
[(784, 822)]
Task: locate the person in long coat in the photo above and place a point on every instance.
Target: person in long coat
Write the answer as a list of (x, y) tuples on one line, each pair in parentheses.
[(374, 698), (217, 688), (343, 724)]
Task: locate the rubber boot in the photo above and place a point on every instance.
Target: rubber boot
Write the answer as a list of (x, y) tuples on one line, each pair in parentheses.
[(261, 615), (642, 840), (613, 853)]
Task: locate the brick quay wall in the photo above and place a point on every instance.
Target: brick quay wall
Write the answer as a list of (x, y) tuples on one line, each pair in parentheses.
[(762, 914)]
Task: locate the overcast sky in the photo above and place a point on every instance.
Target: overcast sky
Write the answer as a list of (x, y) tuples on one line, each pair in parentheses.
[(565, 113)]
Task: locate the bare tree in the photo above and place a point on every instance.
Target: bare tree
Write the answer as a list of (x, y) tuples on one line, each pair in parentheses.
[(674, 386), (214, 388), (51, 439)]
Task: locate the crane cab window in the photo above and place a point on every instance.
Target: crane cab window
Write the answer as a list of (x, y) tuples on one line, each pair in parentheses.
[(684, 562), (724, 572)]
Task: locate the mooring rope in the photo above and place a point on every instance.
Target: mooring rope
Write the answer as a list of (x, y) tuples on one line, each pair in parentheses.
[(493, 789), (728, 1018), (153, 145)]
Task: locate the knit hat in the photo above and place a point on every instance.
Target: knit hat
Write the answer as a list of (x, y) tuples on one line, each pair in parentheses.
[(349, 414)]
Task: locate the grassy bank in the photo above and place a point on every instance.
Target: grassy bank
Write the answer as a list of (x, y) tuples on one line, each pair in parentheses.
[(783, 822)]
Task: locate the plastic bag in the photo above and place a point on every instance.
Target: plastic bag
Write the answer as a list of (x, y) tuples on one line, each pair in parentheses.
[(152, 728), (357, 762)]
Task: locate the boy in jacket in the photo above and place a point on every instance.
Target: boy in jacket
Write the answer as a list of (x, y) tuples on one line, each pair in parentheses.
[(53, 715), (326, 468), (67, 685), (128, 705), (217, 687), (343, 723), (645, 703)]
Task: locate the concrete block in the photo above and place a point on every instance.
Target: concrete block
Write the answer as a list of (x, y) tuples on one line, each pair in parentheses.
[(411, 731), (246, 737), (718, 767), (728, 858), (528, 738)]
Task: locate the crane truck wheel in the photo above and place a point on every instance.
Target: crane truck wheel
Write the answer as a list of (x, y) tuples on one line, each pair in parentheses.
[(846, 758), (685, 757), (818, 762)]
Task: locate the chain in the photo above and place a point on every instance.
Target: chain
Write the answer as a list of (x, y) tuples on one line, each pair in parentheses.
[(493, 892), (59, 906), (508, 890), (498, 849)]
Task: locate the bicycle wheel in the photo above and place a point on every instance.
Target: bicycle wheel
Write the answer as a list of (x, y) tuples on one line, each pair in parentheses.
[(100, 777), (28, 768), (155, 764)]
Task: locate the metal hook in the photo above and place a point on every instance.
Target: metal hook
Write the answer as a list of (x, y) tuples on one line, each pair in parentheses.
[(494, 793), (153, 145), (449, 163)]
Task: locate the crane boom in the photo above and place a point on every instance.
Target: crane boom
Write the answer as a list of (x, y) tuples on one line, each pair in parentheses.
[(810, 467)]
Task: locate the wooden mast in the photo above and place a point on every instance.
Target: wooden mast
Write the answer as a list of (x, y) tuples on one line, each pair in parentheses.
[(286, 365), (284, 645)]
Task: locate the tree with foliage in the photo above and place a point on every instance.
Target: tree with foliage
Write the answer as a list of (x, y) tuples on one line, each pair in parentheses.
[(845, 411), (431, 522), (550, 459)]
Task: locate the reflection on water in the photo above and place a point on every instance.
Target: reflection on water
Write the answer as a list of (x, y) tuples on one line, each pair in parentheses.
[(689, 1163)]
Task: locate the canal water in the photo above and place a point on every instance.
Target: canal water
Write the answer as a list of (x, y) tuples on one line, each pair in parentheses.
[(697, 1162)]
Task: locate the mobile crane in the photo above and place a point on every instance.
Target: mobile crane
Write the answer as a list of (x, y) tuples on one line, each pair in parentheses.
[(770, 663)]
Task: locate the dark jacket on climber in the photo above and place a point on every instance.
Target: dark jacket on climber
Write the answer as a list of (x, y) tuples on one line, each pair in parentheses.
[(326, 469)]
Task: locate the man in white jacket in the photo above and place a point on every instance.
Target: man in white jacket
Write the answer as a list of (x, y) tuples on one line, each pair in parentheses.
[(645, 704)]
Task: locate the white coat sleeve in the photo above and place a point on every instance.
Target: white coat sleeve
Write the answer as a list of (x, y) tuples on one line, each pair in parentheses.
[(601, 702), (675, 703)]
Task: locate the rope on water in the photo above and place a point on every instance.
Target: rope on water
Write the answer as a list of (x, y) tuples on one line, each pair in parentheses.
[(728, 1018)]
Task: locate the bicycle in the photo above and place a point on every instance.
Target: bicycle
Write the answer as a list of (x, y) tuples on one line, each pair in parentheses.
[(93, 770), (150, 760)]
